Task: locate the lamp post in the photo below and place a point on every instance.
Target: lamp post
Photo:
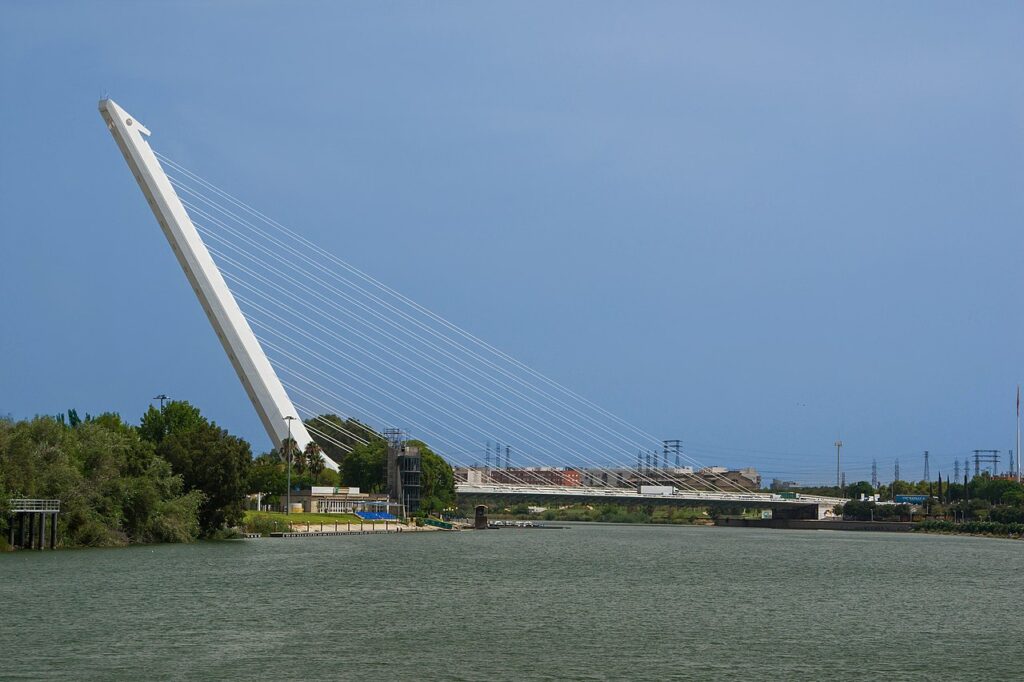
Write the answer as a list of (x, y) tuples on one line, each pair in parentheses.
[(288, 456), (839, 445)]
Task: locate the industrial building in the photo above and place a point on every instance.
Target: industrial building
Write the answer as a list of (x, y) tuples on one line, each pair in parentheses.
[(560, 476)]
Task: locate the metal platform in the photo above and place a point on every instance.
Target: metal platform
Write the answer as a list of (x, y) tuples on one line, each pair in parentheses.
[(32, 535)]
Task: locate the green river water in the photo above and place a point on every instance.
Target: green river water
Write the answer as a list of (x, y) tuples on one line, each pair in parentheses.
[(589, 602)]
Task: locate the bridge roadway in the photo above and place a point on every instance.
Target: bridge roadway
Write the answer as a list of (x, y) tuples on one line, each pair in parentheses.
[(805, 506)]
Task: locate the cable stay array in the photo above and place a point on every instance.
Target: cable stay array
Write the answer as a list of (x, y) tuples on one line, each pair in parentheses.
[(345, 344)]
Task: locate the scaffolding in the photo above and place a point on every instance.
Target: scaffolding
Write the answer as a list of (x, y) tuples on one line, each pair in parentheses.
[(402, 471)]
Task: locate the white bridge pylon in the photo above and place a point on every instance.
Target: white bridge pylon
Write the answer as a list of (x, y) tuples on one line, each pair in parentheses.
[(261, 383)]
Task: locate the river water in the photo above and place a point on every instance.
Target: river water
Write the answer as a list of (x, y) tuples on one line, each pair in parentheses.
[(589, 602)]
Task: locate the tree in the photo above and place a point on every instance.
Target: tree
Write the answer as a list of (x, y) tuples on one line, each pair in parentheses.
[(437, 480), (314, 459), (336, 436), (292, 452), (855, 490), (208, 459), (176, 416), (267, 476), (215, 463), (364, 466)]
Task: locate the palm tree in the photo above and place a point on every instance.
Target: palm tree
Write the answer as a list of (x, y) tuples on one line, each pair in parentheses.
[(291, 449), (314, 460)]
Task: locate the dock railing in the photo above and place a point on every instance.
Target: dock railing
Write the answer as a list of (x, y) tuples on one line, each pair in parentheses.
[(33, 505)]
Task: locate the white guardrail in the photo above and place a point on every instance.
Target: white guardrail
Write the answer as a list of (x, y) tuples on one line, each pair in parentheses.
[(32, 505)]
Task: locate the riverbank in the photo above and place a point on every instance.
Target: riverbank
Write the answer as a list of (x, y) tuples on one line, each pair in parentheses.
[(992, 529), (276, 524), (814, 524), (972, 528)]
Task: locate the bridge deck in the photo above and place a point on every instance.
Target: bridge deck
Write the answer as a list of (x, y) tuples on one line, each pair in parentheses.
[(752, 498)]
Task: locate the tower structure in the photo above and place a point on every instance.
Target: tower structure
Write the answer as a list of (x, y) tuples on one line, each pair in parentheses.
[(243, 349), (402, 470)]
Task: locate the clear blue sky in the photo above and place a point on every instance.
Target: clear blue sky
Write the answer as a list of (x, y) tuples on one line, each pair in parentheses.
[(752, 226)]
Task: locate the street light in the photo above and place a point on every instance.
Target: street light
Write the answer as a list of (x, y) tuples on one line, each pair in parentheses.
[(288, 455), (839, 445)]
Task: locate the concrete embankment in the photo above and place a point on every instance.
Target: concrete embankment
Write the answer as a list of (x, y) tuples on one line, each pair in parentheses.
[(826, 524)]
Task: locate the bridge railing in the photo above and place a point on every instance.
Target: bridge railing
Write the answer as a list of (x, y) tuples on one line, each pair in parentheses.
[(631, 492)]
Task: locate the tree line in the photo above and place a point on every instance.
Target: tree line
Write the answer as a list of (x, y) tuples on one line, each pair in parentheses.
[(983, 498), (177, 476)]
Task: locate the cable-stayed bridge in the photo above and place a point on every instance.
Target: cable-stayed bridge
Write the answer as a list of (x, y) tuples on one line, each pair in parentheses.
[(311, 336)]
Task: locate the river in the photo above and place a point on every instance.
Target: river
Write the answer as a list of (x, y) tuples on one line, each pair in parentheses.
[(590, 602)]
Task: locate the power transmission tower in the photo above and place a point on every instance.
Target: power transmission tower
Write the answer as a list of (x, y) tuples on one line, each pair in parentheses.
[(896, 475), (487, 455), (989, 458), (842, 481), (874, 473), (956, 470), (927, 475), (508, 458), (671, 446)]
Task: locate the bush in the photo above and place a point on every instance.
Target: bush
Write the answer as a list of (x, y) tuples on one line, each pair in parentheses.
[(1007, 514), (264, 525), (972, 527)]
